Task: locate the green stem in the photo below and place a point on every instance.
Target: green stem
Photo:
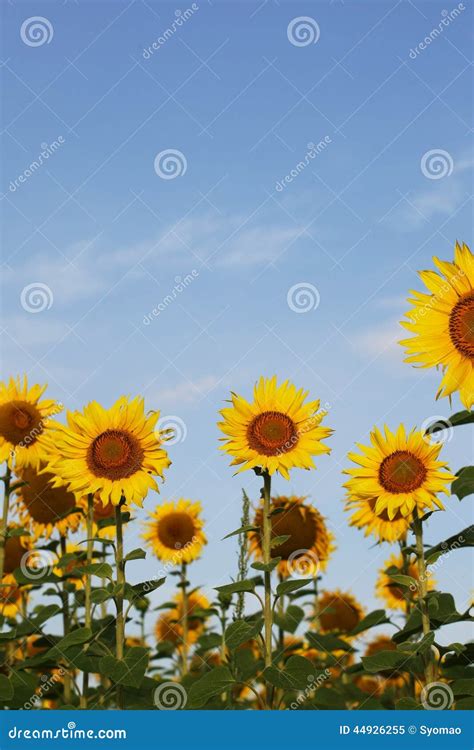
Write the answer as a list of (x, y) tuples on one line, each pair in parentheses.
[(120, 624), (4, 520), (66, 625), (422, 592), (87, 590), (317, 612), (184, 620), (267, 602)]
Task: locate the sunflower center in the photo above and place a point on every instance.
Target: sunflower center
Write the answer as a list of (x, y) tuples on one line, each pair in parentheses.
[(115, 454), (272, 433), (20, 421), (461, 326), (402, 471), (44, 503), (176, 530)]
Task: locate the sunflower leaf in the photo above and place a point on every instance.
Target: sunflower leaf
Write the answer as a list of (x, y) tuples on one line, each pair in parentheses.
[(146, 587), (458, 419), (240, 631), (102, 570), (6, 688), (327, 642), (231, 588), (135, 554), (464, 484), (277, 540), (266, 567), (286, 587), (402, 580), (377, 617), (242, 530), (464, 538), (213, 683), (386, 660), (290, 619)]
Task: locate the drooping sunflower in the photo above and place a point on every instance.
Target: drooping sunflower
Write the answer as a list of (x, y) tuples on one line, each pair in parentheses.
[(278, 431), (175, 531), (394, 595), (381, 526), (339, 611), (115, 452), (169, 626), (443, 324), (399, 473), (24, 418), (16, 546), (310, 545), (43, 507)]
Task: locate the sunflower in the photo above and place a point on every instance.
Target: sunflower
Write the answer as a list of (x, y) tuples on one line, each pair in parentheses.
[(175, 531), (395, 596), (339, 611), (384, 643), (75, 558), (398, 473), (10, 596), (169, 626), (44, 507), (443, 324), (384, 529), (16, 547), (310, 544), (24, 418), (278, 431), (114, 452)]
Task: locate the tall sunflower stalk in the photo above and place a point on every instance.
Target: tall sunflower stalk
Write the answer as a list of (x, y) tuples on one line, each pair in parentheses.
[(4, 518), (119, 596), (88, 586)]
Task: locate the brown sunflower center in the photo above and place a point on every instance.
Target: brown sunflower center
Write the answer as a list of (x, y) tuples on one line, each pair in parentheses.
[(272, 433), (20, 422), (45, 504), (461, 326), (297, 523), (115, 454), (102, 511), (14, 551), (338, 614), (176, 530), (402, 471)]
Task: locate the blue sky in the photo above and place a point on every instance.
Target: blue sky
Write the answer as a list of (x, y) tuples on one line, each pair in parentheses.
[(109, 237)]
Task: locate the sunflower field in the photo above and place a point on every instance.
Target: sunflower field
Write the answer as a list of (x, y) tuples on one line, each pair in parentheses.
[(75, 633)]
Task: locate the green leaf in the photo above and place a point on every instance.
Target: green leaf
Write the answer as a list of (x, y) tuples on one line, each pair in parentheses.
[(242, 530), (232, 588), (128, 671), (35, 621), (75, 637), (209, 641), (462, 687), (146, 587), (100, 595), (386, 661), (327, 642), (9, 635), (277, 540), (135, 554), (377, 617), (286, 587), (38, 576), (240, 631), (329, 698), (464, 484), (464, 538), (102, 570), (465, 704), (6, 688), (290, 619), (266, 567), (402, 580), (419, 647), (408, 704), (458, 419), (213, 683)]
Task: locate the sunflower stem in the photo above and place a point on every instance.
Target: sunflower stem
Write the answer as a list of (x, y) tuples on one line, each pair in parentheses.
[(87, 591), (4, 520), (120, 566), (185, 623), (66, 624), (266, 545), (430, 668)]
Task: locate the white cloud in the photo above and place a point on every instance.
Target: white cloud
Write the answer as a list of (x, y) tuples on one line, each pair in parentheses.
[(186, 392)]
